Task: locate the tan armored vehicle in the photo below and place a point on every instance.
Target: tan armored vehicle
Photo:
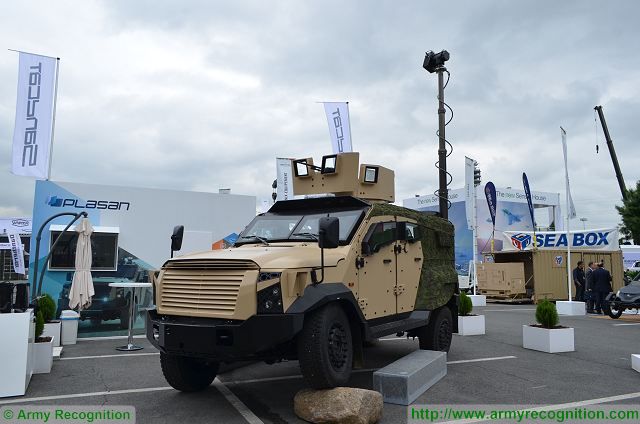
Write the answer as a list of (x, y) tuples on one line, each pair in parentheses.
[(312, 279)]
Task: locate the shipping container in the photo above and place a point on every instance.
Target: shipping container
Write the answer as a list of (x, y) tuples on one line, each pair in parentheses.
[(545, 271)]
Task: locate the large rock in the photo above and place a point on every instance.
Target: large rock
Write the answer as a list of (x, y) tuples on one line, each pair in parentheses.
[(343, 405)]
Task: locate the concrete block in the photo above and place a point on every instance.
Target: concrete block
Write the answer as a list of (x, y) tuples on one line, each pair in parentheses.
[(635, 362), (567, 307), (478, 299), (402, 381), (471, 325), (548, 340)]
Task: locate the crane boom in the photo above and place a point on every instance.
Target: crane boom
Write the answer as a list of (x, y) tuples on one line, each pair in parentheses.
[(612, 152)]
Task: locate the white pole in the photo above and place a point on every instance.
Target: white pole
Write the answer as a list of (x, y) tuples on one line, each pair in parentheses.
[(475, 239), (53, 120), (569, 277)]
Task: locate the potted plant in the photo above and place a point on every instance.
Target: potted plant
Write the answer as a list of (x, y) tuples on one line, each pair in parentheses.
[(547, 336), (52, 326), (42, 348), (468, 324)]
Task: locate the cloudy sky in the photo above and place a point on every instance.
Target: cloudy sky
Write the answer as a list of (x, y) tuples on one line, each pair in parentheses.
[(201, 95)]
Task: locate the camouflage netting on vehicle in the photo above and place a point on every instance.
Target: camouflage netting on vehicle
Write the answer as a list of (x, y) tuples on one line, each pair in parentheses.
[(438, 278)]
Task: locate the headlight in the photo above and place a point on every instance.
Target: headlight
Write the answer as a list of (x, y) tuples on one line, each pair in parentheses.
[(270, 300), (618, 293)]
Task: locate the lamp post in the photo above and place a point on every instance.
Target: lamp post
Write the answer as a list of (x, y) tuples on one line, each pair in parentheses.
[(584, 225)]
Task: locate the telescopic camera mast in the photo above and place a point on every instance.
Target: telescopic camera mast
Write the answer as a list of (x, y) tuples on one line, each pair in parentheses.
[(434, 63)]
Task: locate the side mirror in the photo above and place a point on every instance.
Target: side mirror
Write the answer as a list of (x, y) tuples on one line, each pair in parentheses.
[(401, 231), (176, 238), (329, 232)]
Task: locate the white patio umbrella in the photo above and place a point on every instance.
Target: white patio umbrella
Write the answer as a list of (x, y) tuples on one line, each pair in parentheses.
[(82, 284)]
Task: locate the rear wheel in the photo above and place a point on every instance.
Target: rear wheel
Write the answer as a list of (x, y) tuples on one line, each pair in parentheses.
[(437, 334), (325, 348), (188, 374)]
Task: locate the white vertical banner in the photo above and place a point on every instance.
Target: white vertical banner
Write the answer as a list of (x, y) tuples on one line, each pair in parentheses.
[(17, 254), (33, 131), (284, 175), (339, 126), (469, 191), (571, 209)]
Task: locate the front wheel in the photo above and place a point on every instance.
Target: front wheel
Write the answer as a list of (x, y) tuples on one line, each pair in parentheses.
[(325, 348), (612, 312), (437, 334), (188, 374)]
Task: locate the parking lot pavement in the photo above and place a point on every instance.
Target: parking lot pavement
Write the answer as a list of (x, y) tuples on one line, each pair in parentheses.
[(490, 369)]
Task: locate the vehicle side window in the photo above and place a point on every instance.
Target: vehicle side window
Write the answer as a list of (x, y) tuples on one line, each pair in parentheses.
[(379, 235), (413, 232)]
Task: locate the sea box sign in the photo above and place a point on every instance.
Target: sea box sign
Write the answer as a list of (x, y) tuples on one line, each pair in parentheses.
[(606, 240)]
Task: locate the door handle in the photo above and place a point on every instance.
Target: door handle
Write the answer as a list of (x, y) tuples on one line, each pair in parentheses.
[(387, 261)]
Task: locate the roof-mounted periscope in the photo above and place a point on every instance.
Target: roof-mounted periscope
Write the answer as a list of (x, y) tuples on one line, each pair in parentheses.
[(342, 175)]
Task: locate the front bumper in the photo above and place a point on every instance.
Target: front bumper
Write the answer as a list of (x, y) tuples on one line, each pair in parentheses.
[(259, 337)]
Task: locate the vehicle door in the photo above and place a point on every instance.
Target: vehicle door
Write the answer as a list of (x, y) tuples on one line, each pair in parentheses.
[(376, 268), (409, 258)]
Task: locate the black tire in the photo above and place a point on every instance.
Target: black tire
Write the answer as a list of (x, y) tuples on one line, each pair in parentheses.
[(437, 334), (188, 374), (613, 313), (325, 348)]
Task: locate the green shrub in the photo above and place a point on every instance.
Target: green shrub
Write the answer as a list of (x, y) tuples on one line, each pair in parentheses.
[(546, 314), (466, 306), (39, 324), (48, 307)]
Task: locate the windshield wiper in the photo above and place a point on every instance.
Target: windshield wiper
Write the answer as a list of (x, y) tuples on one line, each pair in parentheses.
[(312, 235), (261, 239)]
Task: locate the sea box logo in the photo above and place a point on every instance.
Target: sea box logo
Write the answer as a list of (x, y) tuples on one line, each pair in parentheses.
[(58, 202), (521, 241)]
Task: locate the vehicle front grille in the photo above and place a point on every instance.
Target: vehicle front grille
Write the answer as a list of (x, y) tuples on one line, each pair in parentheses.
[(202, 286)]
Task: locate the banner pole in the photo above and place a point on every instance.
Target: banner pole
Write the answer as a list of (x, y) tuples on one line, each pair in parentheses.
[(568, 255), (475, 239), (53, 120)]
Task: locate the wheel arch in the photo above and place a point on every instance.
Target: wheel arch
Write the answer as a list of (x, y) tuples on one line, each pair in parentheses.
[(316, 296)]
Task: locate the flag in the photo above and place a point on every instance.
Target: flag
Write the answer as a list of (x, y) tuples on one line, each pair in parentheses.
[(283, 178), (571, 209), (17, 255), (339, 126), (527, 193), (469, 190), (490, 193), (33, 130)]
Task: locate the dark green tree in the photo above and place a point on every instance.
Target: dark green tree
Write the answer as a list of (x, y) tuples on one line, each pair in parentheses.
[(630, 213)]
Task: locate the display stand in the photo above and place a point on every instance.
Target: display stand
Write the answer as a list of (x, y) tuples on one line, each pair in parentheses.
[(570, 307), (17, 335)]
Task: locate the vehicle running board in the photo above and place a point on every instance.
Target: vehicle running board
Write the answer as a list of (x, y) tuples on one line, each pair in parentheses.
[(415, 320)]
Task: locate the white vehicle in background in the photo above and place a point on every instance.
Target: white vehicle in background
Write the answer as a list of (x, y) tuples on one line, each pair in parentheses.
[(633, 268), (465, 277)]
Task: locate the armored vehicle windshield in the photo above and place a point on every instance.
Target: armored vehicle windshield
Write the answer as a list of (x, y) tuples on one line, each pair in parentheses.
[(299, 226)]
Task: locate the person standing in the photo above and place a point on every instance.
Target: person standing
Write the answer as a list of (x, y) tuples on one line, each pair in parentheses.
[(579, 281), (601, 286), (588, 287)]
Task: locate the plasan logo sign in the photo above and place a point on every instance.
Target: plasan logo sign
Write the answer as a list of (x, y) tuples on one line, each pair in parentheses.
[(60, 202)]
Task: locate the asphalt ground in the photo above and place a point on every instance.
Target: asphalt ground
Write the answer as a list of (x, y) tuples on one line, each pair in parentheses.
[(489, 369)]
